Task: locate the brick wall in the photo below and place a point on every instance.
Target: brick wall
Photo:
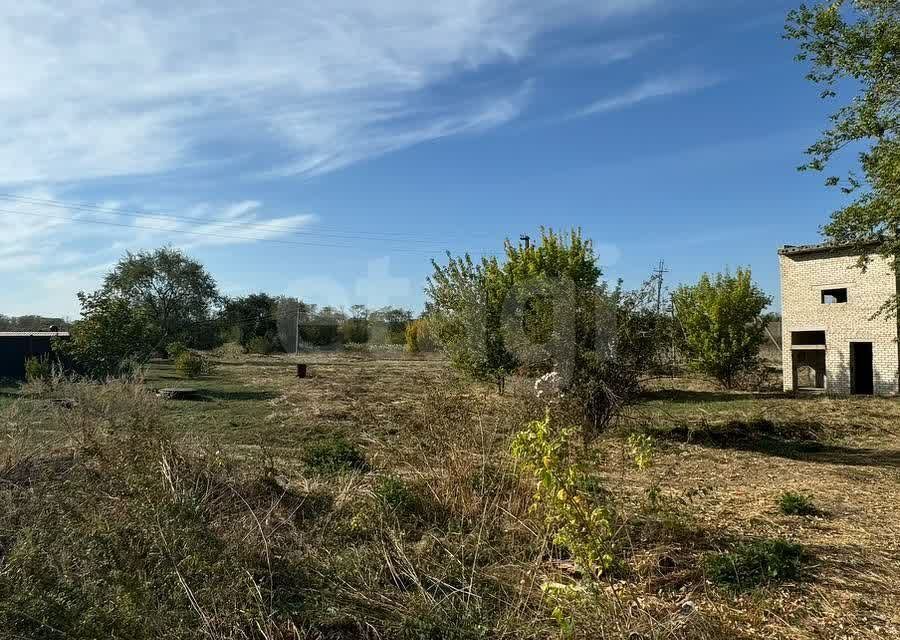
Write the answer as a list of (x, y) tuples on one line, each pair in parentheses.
[(802, 279)]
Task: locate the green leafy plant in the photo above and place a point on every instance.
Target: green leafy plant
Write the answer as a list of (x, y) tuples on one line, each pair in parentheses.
[(261, 345), (791, 503), (578, 520), (335, 455), (563, 600), (640, 448), (723, 324), (109, 340), (192, 365), (492, 317), (418, 337), (175, 349), (38, 369), (402, 499), (757, 563), (388, 325), (355, 329)]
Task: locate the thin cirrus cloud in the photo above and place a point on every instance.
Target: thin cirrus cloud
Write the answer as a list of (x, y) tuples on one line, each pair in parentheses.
[(655, 88), (604, 53), (97, 90), (38, 230)]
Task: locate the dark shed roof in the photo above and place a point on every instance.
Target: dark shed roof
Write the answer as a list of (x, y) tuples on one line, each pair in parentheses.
[(34, 334)]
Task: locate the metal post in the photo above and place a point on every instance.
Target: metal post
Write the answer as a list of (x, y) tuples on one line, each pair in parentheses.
[(672, 329), (297, 330), (660, 271)]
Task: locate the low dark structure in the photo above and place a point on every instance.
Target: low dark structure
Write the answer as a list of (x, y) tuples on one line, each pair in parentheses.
[(178, 393), (18, 346)]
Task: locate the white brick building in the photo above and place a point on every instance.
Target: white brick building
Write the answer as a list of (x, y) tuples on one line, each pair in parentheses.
[(831, 343)]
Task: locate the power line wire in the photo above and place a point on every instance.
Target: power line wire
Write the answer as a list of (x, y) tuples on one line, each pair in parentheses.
[(385, 236), (217, 235)]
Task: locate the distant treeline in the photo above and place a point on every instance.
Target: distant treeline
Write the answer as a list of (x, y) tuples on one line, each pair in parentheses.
[(31, 323), (263, 323)]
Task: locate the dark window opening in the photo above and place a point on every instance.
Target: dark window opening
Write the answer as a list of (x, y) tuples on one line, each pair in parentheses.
[(834, 296), (807, 338)]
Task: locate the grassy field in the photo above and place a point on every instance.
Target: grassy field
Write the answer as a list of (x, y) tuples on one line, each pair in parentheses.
[(429, 535)]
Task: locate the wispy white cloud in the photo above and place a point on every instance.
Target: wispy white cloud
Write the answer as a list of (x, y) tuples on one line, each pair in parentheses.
[(63, 248), (604, 53), (92, 90), (682, 82)]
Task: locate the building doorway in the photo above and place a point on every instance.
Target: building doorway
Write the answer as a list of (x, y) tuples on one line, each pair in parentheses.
[(809, 369), (862, 379)]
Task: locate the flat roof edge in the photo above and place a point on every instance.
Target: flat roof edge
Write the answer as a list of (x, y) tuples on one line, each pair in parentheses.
[(824, 247)]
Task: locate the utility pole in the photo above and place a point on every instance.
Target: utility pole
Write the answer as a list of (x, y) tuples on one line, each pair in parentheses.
[(297, 330), (672, 329), (526, 239), (660, 272)]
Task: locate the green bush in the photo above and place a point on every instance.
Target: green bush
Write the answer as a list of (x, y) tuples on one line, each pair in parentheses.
[(418, 337), (355, 330), (335, 455), (175, 349), (192, 365), (261, 345), (757, 563), (320, 332), (723, 322), (38, 369), (109, 340), (796, 504)]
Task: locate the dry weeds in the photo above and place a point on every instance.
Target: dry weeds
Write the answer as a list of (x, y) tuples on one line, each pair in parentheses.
[(476, 564)]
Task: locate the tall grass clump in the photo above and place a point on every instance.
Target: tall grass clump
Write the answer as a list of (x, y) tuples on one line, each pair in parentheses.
[(118, 532), (38, 369)]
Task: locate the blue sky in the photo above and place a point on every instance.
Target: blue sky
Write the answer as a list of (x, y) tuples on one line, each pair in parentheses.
[(329, 150)]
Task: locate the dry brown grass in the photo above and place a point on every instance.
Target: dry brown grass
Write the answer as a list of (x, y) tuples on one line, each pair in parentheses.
[(474, 559)]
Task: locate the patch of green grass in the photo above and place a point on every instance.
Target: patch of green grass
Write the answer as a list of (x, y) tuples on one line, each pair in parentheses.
[(396, 495), (791, 503), (756, 564), (334, 455), (406, 501), (230, 411)]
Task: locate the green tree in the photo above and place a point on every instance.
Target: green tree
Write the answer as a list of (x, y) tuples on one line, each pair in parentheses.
[(465, 300), (723, 323), (854, 46), (355, 329), (174, 293), (492, 317), (321, 327), (253, 316), (111, 337), (389, 324), (551, 309)]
